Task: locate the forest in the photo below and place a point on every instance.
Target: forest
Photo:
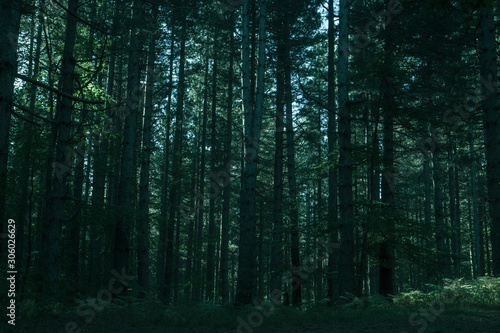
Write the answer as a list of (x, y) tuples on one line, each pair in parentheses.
[(250, 166)]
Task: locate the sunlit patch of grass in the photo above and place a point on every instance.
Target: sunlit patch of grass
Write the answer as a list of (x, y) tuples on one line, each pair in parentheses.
[(482, 292)]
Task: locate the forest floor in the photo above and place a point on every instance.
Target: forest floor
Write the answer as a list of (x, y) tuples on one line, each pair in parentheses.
[(212, 319)]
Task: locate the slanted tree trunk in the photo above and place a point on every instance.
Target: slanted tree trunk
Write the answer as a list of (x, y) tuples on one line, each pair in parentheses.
[(346, 223), (491, 122)]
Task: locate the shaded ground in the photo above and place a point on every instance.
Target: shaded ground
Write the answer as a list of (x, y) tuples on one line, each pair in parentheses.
[(321, 320)]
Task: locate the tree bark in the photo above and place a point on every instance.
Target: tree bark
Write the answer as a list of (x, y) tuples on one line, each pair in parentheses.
[(332, 282), (162, 232), (346, 282), (252, 127), (175, 191), (126, 192), (53, 229), (277, 232), (455, 228), (387, 260), (475, 215), (24, 176), (197, 283), (438, 214), (10, 14), (291, 173), (226, 195), (147, 147), (491, 122), (212, 239)]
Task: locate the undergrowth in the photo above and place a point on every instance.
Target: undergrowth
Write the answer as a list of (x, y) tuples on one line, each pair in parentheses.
[(129, 311)]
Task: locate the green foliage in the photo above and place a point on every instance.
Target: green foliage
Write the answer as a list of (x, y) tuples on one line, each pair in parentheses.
[(482, 292), (373, 301)]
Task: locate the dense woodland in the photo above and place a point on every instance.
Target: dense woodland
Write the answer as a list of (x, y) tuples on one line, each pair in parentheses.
[(232, 151)]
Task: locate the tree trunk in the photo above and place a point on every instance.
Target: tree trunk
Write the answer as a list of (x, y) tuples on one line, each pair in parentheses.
[(427, 227), (212, 239), (9, 31), (454, 216), (332, 282), (175, 191), (387, 260), (26, 167), (438, 214), (491, 121), (226, 196), (147, 146), (346, 225), (251, 132), (318, 295), (126, 190), (162, 232), (63, 159), (292, 179), (197, 283), (477, 267), (277, 232)]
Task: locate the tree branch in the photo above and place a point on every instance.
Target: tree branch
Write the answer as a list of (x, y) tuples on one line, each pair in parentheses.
[(54, 90)]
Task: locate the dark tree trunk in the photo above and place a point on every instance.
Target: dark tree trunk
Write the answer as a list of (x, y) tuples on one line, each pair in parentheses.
[(277, 231), (162, 232), (252, 126), (332, 291), (175, 192), (346, 282), (491, 121), (226, 196), (212, 239), (387, 260), (10, 14), (53, 228)]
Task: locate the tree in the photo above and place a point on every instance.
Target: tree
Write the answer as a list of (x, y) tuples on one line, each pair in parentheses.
[(332, 158), (387, 258), (226, 196), (63, 160), (10, 14), (488, 71), (147, 147), (126, 190), (175, 191), (252, 126), (346, 222)]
